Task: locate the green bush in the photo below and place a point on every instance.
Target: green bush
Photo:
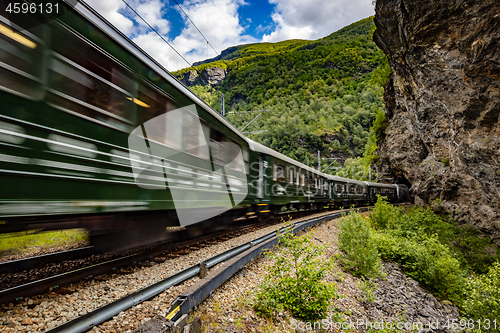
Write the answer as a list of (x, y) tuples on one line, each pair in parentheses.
[(383, 213), (294, 281), (359, 251), (482, 301), (463, 242), (426, 260)]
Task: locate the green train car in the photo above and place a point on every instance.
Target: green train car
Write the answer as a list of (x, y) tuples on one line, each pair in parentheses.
[(94, 133)]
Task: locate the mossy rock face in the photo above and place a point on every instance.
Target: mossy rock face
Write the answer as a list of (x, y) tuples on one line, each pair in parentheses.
[(443, 101)]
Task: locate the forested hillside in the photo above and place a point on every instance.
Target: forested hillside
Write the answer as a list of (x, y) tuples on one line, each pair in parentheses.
[(323, 95)]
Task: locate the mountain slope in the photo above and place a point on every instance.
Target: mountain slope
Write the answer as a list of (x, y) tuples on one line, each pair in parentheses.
[(323, 95)]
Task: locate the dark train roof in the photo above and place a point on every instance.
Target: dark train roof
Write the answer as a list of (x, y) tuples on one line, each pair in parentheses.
[(260, 148), (95, 18)]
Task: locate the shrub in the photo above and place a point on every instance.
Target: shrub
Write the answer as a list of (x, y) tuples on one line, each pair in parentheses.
[(383, 213), (482, 301), (359, 251), (426, 260), (463, 242), (294, 281)]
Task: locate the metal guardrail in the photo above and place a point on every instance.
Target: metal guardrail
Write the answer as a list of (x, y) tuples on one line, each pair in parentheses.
[(198, 292)]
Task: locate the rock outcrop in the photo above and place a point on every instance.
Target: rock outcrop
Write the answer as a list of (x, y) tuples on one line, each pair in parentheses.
[(443, 103), (210, 75)]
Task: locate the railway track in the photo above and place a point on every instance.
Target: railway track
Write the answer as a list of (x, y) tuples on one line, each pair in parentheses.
[(232, 260), (170, 250)]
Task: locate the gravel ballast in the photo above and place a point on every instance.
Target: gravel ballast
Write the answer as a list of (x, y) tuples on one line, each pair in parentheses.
[(228, 309), (53, 308)]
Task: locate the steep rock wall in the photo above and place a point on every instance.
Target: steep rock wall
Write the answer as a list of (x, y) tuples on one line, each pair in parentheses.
[(214, 75), (443, 103)]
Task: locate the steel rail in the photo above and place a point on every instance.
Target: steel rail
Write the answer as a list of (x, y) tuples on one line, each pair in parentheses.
[(34, 262), (42, 285), (57, 257), (100, 315)]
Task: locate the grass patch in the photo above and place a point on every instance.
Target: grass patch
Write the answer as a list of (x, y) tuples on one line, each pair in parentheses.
[(26, 241)]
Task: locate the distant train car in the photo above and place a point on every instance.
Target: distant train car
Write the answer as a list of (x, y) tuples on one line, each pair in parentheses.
[(286, 182), (346, 192), (403, 193), (386, 190)]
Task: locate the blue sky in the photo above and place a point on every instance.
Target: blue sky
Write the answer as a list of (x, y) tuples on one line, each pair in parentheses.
[(226, 23)]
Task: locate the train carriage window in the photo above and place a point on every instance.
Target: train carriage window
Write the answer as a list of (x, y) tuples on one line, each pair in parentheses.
[(339, 188), (236, 157), (153, 102), (279, 173), (290, 177), (302, 179), (88, 81), (359, 189), (218, 147), (21, 59), (246, 159), (227, 152), (325, 184)]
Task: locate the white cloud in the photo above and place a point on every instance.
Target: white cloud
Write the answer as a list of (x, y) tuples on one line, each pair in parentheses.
[(218, 21), (315, 19), (152, 11), (109, 9)]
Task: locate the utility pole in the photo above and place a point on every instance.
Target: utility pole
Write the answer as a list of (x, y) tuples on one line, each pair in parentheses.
[(223, 110), (370, 172), (319, 159)]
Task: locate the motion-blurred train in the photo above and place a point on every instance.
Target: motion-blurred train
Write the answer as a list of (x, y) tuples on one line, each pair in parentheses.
[(95, 134)]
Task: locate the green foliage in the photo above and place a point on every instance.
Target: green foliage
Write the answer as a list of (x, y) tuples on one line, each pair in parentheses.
[(426, 260), (354, 168), (383, 212), (359, 251), (294, 281), (368, 287), (323, 95), (208, 94), (482, 299), (431, 249), (463, 242)]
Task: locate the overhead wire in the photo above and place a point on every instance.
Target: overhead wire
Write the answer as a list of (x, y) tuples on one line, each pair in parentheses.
[(217, 53), (171, 46), (136, 13), (190, 65)]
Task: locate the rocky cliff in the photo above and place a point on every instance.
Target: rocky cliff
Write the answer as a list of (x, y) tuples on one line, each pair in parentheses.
[(211, 75), (443, 103)]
